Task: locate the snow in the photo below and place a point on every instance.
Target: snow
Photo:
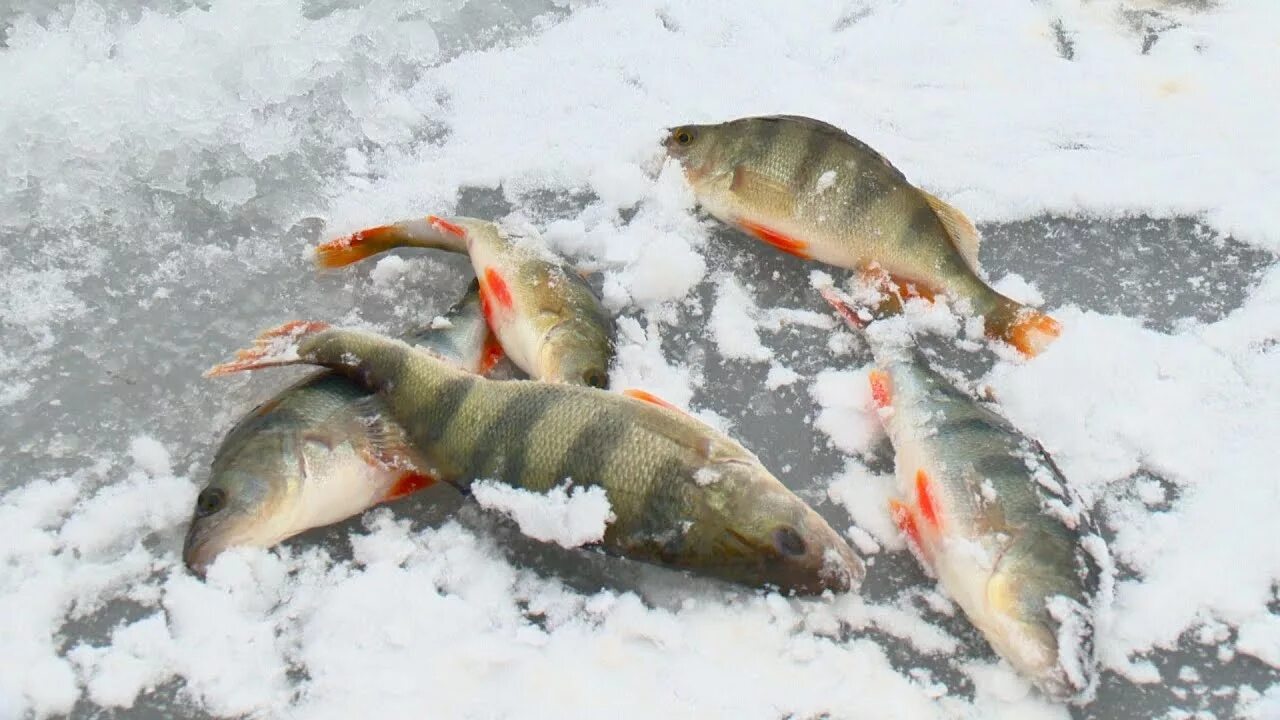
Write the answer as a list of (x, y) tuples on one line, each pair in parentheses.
[(733, 323), (167, 166), (568, 517)]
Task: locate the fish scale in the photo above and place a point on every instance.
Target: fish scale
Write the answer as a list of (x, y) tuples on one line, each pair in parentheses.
[(652, 461)]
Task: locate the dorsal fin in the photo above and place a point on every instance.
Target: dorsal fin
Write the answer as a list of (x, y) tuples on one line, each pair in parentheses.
[(960, 228)]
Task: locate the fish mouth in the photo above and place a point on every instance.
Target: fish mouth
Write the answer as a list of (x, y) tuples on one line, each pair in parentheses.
[(201, 547), (197, 553)]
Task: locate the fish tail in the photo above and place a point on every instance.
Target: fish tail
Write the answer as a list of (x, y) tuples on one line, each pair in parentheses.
[(428, 232), (1025, 328), (275, 347)]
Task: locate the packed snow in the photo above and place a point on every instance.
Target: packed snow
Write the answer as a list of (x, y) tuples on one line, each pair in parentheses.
[(168, 164), (568, 517)]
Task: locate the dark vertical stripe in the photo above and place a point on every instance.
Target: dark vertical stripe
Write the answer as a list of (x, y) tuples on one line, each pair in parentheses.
[(500, 449), (588, 456), (431, 420), (665, 504), (764, 133), (816, 148), (967, 424)]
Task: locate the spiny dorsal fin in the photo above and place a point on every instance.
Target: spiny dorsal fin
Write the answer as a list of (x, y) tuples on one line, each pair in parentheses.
[(959, 227)]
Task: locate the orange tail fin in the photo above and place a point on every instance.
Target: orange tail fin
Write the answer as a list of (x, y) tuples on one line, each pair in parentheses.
[(358, 246), (274, 347)]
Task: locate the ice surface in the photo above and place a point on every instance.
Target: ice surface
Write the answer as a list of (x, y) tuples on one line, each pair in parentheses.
[(166, 166)]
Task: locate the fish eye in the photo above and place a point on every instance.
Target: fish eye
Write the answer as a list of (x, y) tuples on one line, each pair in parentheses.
[(595, 378), (788, 541), (210, 501), (682, 136)]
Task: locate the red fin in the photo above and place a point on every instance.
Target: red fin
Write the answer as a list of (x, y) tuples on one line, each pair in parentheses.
[(277, 346), (843, 308), (646, 396), (908, 289), (358, 246), (786, 244), (446, 226), (490, 354), (924, 498), (494, 294), (408, 483), (906, 522), (881, 388), (1032, 332)]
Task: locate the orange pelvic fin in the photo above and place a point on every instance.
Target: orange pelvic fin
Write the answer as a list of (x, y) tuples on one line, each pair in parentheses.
[(358, 246), (274, 347), (445, 226), (407, 484), (495, 295), (906, 522), (783, 242), (881, 388), (648, 397), (490, 354), (925, 500), (908, 289)]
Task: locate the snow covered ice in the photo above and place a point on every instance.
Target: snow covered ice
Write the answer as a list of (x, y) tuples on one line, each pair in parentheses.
[(167, 165)]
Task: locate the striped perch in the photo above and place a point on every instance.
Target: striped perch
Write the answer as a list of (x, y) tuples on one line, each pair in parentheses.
[(812, 190), (684, 495), (986, 511)]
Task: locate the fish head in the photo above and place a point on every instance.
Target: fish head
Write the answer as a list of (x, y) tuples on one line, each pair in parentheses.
[(1042, 624), (304, 462), (242, 501), (577, 351), (764, 535), (706, 152)]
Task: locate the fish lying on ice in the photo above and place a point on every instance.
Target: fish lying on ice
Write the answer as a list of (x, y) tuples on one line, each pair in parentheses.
[(320, 451), (683, 494), (547, 318), (812, 190), (989, 514)]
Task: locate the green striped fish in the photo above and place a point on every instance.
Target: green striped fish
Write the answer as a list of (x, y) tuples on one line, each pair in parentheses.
[(985, 510), (812, 190), (683, 494)]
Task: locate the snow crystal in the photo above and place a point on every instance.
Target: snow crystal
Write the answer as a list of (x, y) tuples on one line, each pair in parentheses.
[(1260, 637), (388, 270), (733, 324), (567, 517), (780, 376), (844, 397)]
